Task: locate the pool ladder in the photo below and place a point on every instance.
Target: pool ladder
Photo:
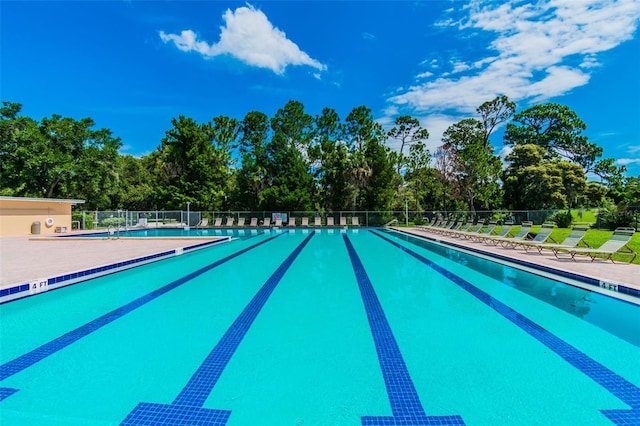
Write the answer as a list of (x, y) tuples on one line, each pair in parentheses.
[(111, 230)]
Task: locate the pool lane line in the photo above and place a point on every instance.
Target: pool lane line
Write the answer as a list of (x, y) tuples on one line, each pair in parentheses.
[(28, 359), (403, 397), (617, 385), (186, 408)]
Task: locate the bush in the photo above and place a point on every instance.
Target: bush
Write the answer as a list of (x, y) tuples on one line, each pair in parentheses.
[(112, 221), (613, 220), (88, 219), (418, 220), (562, 219)]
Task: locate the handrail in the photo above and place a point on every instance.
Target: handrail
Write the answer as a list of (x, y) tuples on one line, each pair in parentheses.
[(391, 221)]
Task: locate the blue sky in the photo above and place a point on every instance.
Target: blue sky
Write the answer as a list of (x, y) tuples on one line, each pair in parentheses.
[(133, 66)]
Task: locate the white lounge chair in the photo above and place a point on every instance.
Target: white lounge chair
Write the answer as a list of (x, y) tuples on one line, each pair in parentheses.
[(218, 222), (541, 237), (305, 221), (511, 241), (266, 221), (355, 221), (241, 222), (277, 223), (230, 221), (204, 222), (292, 221), (254, 222), (330, 221), (343, 221), (617, 243), (574, 238), (317, 221)]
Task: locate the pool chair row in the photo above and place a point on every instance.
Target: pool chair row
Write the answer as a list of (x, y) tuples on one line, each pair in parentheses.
[(572, 245), (267, 222)]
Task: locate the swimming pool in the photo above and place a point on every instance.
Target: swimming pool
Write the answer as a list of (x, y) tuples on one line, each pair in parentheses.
[(315, 327)]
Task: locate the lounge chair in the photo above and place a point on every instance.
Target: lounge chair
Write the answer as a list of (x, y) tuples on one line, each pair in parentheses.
[(482, 233), (460, 228), (292, 221), (204, 222), (317, 221), (470, 230), (330, 221), (511, 241), (355, 221), (574, 238), (504, 231), (343, 221), (241, 222), (254, 222), (305, 221), (266, 222), (541, 237), (617, 243), (218, 222), (230, 221), (277, 223)]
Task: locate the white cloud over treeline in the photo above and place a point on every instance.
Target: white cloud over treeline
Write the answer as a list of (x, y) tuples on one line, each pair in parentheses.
[(249, 36)]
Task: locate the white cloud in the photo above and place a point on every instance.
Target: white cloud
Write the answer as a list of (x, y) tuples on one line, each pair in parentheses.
[(540, 50), (425, 74), (633, 149), (627, 161), (248, 36)]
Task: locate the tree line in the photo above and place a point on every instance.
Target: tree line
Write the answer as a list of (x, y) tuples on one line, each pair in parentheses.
[(295, 161)]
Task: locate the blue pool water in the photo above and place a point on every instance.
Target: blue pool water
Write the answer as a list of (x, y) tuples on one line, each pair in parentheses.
[(323, 327)]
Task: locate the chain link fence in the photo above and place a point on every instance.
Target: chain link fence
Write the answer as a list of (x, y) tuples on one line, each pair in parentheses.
[(596, 218)]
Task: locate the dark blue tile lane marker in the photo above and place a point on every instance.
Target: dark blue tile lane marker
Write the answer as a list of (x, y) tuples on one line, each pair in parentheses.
[(614, 383), (16, 365), (403, 397), (187, 409)]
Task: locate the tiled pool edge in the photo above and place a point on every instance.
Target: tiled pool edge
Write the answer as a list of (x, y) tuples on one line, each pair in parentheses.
[(613, 287), (44, 284)]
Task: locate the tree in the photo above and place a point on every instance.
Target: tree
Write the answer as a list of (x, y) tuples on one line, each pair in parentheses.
[(252, 177), (493, 113), (193, 169), (332, 162), (408, 131), (370, 160), (558, 130), (292, 186), (57, 157), (476, 168), (531, 182)]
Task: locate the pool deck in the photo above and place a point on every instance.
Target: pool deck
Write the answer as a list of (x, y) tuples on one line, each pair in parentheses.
[(622, 273), (26, 258)]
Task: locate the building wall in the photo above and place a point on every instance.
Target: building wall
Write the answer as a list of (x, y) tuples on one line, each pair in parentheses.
[(16, 216)]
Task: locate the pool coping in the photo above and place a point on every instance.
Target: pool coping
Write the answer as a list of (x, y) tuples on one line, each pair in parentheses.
[(47, 283), (611, 288)]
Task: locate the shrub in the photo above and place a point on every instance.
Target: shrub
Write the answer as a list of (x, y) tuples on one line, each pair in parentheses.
[(562, 218), (112, 221), (418, 220), (88, 219), (613, 220)]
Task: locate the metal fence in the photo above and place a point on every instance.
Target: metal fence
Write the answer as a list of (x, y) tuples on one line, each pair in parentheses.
[(178, 218)]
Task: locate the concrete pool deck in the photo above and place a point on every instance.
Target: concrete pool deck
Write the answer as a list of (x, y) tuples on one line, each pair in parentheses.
[(27, 258)]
